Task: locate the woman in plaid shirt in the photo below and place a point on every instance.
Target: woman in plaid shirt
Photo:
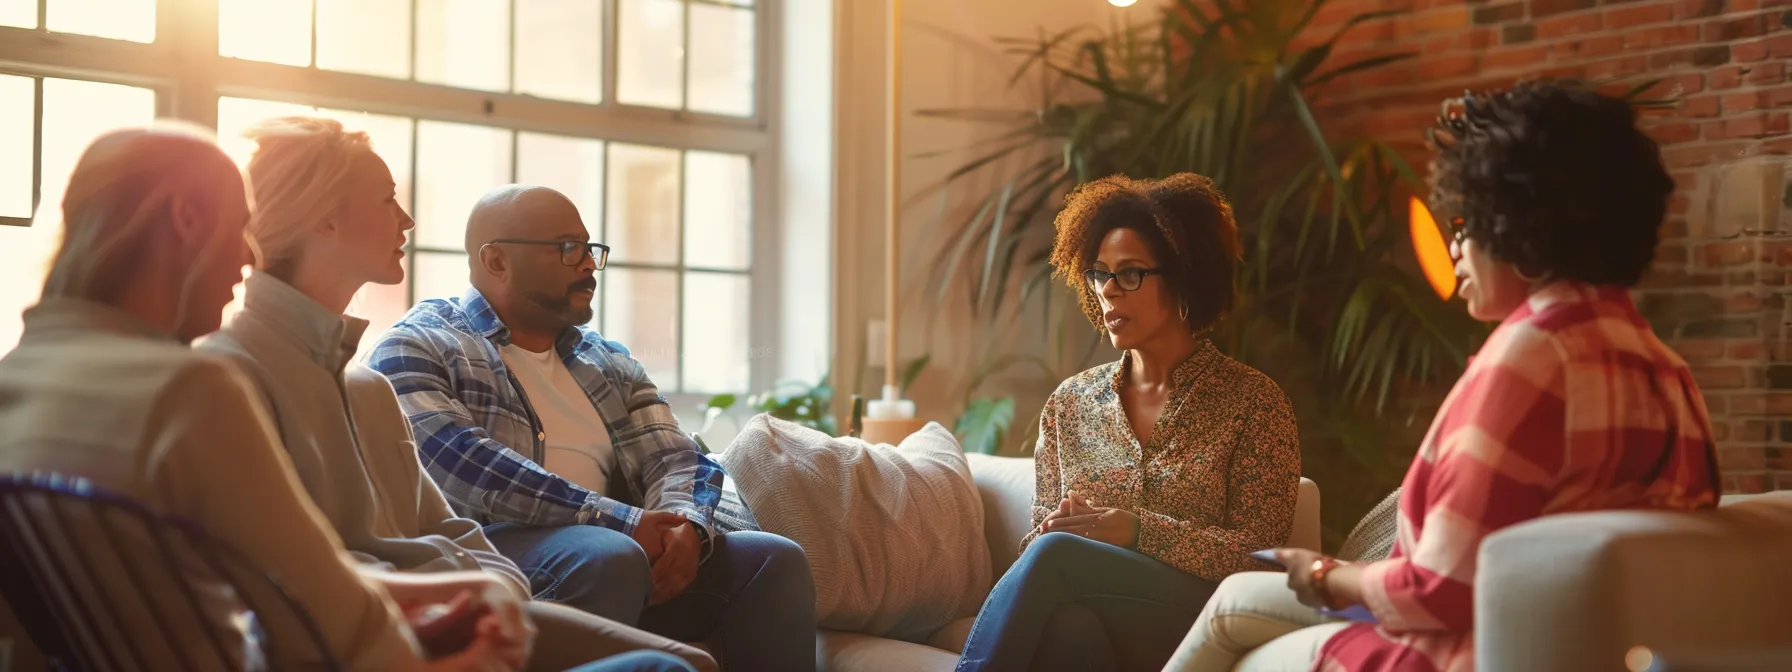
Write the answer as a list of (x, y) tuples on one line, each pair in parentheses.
[(1572, 405)]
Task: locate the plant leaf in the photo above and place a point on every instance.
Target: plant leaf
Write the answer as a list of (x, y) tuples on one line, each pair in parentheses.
[(984, 422)]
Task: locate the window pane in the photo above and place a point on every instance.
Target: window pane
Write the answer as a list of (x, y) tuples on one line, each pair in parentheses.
[(371, 37), (440, 275), (17, 97), (642, 223), (76, 112), (722, 59), (133, 20), (275, 31), (716, 355), (718, 210), (559, 49), (456, 165), (571, 166), (18, 13), (464, 43), (641, 312), (650, 58)]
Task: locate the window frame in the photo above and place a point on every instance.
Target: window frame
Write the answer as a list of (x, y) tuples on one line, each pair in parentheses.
[(183, 68)]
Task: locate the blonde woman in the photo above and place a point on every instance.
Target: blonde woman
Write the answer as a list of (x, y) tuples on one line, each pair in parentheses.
[(328, 223)]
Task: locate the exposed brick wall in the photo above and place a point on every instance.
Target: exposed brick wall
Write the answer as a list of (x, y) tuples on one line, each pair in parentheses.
[(1718, 293)]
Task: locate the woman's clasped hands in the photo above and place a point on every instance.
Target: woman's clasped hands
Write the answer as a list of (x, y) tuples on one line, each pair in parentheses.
[(1079, 516)]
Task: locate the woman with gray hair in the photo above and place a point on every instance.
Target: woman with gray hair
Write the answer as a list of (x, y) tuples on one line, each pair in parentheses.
[(327, 223)]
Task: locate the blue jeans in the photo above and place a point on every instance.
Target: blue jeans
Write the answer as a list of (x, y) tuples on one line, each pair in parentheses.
[(1070, 603), (752, 603), (638, 661)]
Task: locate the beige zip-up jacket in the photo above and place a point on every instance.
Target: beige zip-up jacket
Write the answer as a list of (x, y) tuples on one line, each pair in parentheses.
[(93, 392), (348, 440)]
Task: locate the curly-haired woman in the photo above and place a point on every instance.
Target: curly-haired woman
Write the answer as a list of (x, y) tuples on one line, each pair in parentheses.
[(1157, 474), (1572, 405)]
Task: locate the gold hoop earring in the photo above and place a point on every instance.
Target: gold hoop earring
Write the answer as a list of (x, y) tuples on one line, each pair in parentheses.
[(1183, 312), (1533, 280)]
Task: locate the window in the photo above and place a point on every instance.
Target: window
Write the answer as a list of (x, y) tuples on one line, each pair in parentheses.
[(648, 114)]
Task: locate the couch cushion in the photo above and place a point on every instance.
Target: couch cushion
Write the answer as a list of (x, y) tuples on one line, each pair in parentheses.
[(853, 652), (1006, 487), (894, 534)]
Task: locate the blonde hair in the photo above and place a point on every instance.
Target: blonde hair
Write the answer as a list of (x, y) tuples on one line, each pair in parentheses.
[(123, 187), (296, 177)]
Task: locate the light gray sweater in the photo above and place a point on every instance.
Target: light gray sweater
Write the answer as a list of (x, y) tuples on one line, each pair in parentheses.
[(349, 442)]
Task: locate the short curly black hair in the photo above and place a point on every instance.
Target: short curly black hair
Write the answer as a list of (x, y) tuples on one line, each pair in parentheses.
[(1553, 177), (1184, 219)]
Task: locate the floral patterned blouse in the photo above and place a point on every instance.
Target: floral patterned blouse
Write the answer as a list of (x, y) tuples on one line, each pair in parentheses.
[(1217, 479)]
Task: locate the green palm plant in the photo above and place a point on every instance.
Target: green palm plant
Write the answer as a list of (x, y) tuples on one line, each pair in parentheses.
[(1330, 303)]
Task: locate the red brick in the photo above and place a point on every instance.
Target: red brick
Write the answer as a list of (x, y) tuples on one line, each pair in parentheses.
[(1778, 97), (1726, 254), (1699, 349), (1725, 78), (1699, 9), (1498, 13), (1750, 126), (1750, 458), (1716, 405), (1619, 67), (1749, 52), (1742, 303), (1745, 350), (1678, 203), (1590, 47), (1573, 24), (1751, 484), (1522, 57), (1765, 74), (1780, 147), (1478, 38), (1441, 68), (1779, 403), (1638, 16), (1437, 20), (1751, 403), (1742, 102), (1685, 181), (1720, 377), (1664, 36), (1726, 30), (1542, 8), (1780, 47), (1702, 106)]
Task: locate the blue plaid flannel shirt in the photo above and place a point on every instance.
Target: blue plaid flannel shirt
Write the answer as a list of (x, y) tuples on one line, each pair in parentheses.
[(480, 440)]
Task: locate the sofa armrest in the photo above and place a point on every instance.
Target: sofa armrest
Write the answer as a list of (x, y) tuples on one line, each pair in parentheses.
[(1578, 591)]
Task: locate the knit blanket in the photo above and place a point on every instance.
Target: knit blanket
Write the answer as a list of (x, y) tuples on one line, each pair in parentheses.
[(894, 534)]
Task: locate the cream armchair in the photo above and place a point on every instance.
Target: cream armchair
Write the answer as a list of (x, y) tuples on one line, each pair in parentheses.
[(1700, 591)]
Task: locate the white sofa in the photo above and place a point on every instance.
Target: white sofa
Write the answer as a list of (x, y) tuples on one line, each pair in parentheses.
[(1006, 484)]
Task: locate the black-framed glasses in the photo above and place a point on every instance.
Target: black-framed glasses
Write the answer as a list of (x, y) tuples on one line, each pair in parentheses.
[(572, 252), (1129, 278)]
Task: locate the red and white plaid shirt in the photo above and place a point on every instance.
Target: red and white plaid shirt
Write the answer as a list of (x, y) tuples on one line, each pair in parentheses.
[(1572, 405)]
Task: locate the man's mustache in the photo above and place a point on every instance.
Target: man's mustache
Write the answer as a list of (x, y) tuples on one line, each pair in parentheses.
[(587, 284)]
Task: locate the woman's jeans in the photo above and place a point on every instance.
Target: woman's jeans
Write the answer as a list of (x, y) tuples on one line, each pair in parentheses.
[(1071, 603)]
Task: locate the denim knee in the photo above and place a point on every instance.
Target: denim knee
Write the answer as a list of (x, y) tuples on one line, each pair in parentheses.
[(1054, 548), (601, 571)]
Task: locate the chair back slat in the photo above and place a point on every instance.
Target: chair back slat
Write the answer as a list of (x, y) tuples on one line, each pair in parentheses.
[(99, 564)]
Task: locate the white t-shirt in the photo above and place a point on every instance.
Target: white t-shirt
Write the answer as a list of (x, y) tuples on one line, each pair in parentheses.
[(578, 443)]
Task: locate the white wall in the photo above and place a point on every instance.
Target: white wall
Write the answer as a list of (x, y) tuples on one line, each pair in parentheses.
[(950, 60)]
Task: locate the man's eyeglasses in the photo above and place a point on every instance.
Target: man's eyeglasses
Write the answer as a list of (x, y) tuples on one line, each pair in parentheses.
[(572, 252), (1130, 278)]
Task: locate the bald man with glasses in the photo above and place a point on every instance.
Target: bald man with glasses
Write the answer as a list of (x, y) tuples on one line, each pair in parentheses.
[(557, 441)]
